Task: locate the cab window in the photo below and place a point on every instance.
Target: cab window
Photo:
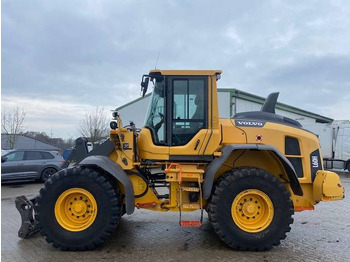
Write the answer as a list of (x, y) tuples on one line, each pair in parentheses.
[(155, 117), (189, 110)]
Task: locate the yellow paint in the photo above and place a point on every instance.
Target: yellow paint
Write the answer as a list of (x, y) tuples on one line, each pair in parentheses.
[(139, 187), (189, 148), (327, 186), (124, 144), (148, 150), (222, 132), (274, 134), (252, 210), (232, 134), (76, 209), (209, 138), (180, 178)]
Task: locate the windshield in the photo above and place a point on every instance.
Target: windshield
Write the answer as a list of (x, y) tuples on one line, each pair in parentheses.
[(154, 120)]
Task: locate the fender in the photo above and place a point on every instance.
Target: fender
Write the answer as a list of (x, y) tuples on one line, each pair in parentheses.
[(226, 152), (116, 171)]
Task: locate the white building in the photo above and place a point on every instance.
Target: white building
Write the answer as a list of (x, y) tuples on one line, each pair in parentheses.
[(231, 101)]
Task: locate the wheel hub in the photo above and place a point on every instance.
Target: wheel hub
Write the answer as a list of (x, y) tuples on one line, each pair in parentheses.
[(252, 210), (79, 207)]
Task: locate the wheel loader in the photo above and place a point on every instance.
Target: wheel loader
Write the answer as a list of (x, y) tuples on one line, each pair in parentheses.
[(250, 173)]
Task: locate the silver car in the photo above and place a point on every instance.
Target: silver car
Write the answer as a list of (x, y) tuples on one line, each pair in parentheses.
[(29, 164)]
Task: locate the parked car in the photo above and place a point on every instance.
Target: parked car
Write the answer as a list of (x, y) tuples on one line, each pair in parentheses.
[(4, 152), (30, 164)]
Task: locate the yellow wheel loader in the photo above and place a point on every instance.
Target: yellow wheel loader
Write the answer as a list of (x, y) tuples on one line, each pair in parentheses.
[(250, 173)]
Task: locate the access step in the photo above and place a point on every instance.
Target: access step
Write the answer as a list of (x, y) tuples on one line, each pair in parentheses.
[(190, 223)]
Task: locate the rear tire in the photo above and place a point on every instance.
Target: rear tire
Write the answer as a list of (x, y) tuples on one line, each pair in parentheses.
[(65, 193), (250, 209)]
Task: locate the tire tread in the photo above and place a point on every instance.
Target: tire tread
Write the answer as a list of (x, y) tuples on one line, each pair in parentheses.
[(111, 191), (231, 177)]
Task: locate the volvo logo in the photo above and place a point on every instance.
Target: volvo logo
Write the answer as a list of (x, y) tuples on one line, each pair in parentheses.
[(249, 123)]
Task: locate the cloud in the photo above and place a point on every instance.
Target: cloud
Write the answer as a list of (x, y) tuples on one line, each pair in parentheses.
[(93, 53), (284, 39), (51, 115), (231, 33)]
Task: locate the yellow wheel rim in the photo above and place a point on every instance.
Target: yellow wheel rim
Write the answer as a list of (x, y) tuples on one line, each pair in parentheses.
[(76, 209), (252, 210)]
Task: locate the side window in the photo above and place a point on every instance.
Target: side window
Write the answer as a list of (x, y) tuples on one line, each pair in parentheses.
[(155, 119), (33, 155), (47, 155), (292, 152), (189, 111), (15, 156)]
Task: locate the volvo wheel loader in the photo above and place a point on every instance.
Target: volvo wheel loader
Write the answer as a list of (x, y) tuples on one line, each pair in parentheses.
[(250, 173)]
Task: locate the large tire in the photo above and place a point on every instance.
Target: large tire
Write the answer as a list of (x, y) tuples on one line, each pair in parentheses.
[(92, 222), (250, 209)]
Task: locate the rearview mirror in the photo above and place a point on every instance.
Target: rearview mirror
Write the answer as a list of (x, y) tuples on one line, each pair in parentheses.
[(144, 84), (3, 159)]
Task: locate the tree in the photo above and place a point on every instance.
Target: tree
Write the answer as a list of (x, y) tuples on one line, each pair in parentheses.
[(12, 124), (94, 126)]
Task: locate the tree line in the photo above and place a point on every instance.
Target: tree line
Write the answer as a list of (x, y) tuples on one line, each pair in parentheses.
[(93, 126)]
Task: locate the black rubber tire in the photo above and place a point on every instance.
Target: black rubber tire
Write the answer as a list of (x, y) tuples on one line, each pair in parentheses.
[(228, 187), (47, 173), (108, 209), (348, 166)]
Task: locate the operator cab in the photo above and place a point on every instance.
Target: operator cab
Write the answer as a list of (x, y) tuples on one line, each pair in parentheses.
[(178, 108)]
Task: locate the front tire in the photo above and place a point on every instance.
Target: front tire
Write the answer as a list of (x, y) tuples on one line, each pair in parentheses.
[(77, 209), (250, 209)]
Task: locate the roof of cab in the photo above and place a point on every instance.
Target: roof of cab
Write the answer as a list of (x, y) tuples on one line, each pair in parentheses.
[(186, 72)]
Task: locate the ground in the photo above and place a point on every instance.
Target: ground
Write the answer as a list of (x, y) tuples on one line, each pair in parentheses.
[(320, 235)]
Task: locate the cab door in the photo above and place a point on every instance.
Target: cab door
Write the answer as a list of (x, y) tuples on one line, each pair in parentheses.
[(188, 116)]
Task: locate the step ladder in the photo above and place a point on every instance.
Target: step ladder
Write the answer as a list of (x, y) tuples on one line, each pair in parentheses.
[(177, 168)]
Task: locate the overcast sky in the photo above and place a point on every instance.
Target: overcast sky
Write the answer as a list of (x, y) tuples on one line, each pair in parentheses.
[(63, 58)]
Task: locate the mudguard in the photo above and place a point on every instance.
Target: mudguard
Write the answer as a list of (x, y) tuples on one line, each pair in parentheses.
[(116, 171), (226, 152)]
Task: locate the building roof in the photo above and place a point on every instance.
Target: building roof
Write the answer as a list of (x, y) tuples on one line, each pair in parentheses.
[(257, 99), (25, 142), (132, 102)]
